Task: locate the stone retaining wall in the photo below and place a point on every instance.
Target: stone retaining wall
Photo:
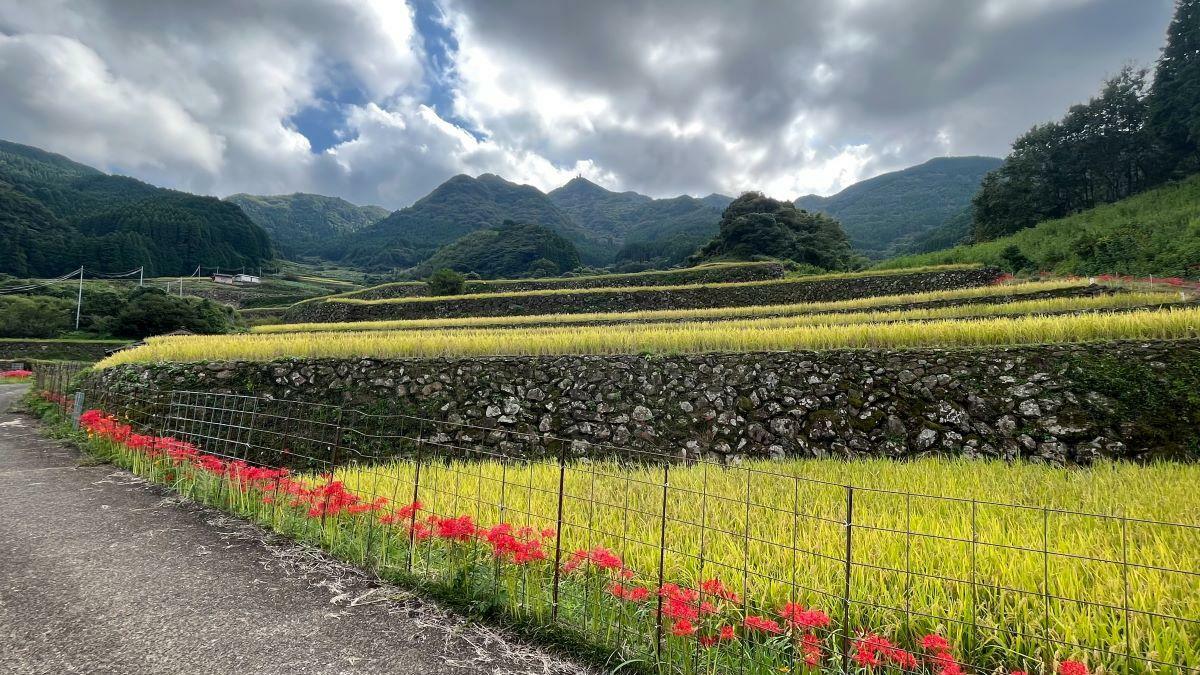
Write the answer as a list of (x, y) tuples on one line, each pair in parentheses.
[(620, 300), (1052, 403), (58, 350)]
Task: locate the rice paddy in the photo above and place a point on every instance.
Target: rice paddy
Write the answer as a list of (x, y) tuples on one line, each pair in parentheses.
[(687, 337), (1005, 292)]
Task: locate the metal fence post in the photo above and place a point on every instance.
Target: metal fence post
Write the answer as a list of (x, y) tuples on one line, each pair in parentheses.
[(849, 563), (416, 493), (77, 411), (562, 480), (662, 554)]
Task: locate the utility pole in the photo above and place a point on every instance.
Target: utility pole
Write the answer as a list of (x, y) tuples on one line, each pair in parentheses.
[(79, 298), (141, 274), (181, 287)]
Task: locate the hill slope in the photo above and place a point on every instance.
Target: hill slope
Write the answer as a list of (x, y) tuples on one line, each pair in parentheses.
[(664, 230), (883, 214), (1156, 232), (302, 224), (56, 214), (509, 251), (457, 207)]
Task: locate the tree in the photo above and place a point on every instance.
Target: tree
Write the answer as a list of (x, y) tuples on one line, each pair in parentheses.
[(1099, 152), (151, 311), (542, 268), (755, 226), (446, 282), (1175, 97), (35, 317)]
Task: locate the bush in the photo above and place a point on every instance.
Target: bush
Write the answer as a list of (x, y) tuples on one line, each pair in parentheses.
[(35, 317), (446, 282), (151, 311)]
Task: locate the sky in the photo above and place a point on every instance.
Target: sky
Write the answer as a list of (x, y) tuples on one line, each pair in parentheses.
[(379, 101)]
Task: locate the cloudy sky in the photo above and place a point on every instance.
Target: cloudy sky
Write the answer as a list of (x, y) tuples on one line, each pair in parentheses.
[(378, 101)]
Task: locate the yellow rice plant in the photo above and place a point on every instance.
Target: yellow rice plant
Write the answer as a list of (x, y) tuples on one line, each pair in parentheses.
[(690, 337), (756, 311), (1026, 564)]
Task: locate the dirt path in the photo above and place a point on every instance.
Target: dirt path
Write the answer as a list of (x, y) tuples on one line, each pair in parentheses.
[(102, 573)]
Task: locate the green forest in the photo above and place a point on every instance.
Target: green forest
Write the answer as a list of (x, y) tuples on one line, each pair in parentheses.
[(56, 215)]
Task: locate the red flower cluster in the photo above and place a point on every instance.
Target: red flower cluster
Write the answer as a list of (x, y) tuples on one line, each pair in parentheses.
[(941, 654), (599, 557), (52, 397), (871, 650), (17, 374), (628, 593), (1072, 668)]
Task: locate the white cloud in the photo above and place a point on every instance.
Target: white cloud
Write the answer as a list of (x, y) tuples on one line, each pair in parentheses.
[(662, 97)]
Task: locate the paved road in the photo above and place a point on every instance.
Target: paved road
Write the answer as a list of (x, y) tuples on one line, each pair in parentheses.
[(101, 573)]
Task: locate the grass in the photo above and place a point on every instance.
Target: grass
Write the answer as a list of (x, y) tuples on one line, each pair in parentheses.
[(1023, 576), (833, 276), (714, 313), (689, 337), (1156, 232)]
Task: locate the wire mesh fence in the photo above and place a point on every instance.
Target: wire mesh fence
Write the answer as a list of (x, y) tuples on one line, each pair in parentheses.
[(681, 565)]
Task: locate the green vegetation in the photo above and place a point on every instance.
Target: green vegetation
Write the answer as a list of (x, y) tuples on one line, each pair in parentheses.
[(680, 337), (655, 232), (302, 224), (902, 209), (150, 311), (446, 282), (38, 316), (755, 226), (56, 214), (1154, 233), (457, 207), (1133, 136), (509, 251)]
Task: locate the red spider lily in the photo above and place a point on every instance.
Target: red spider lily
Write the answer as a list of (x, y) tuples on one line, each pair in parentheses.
[(810, 648), (458, 529), (683, 628), (521, 547), (936, 643), (762, 624), (1018, 672), (628, 593), (872, 650), (800, 617), (599, 557), (17, 374), (708, 640), (716, 588), (727, 633), (1072, 668)]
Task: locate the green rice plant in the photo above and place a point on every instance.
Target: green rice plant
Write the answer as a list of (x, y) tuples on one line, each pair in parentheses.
[(713, 313), (689, 337)]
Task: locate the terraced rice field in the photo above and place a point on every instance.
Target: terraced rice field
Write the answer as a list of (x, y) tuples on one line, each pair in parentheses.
[(838, 331)]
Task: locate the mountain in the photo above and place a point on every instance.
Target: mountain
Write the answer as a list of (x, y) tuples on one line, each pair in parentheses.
[(302, 224), (645, 228), (56, 214), (1154, 233), (510, 251), (886, 213), (455, 208)]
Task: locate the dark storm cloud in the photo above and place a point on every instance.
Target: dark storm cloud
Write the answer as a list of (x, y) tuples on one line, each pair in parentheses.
[(663, 96)]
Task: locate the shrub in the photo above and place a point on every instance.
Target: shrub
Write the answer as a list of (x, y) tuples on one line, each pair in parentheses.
[(151, 311), (446, 282)]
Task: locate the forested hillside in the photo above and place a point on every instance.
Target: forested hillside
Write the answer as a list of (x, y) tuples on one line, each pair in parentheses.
[(56, 214), (889, 212), (641, 228), (513, 250), (457, 207), (1153, 233), (301, 224)]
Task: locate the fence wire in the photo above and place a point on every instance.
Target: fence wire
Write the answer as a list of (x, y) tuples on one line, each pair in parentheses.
[(650, 557)]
